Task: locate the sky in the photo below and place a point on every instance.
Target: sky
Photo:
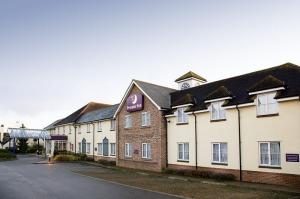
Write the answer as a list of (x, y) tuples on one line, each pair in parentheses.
[(58, 55)]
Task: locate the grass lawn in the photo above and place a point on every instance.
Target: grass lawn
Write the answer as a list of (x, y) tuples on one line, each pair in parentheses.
[(190, 187)]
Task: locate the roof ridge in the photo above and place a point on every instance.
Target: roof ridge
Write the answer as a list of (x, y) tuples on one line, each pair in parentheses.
[(250, 73), (135, 80)]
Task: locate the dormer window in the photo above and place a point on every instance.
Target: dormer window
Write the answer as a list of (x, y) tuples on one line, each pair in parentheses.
[(182, 117), (217, 111), (266, 104)]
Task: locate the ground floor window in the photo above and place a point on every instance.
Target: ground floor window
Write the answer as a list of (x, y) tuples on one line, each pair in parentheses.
[(128, 150), (100, 148), (88, 148), (269, 153), (219, 152), (146, 150), (183, 151), (112, 149), (60, 145), (79, 147)]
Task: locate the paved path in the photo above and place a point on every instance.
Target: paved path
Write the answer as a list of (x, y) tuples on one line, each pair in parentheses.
[(21, 179)]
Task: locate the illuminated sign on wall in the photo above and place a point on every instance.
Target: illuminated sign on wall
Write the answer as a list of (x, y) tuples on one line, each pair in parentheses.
[(135, 102)]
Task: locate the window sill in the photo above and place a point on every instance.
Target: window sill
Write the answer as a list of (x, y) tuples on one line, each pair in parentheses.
[(146, 159), (144, 127), (99, 131), (269, 167), (219, 163), (113, 155), (182, 123), (268, 115), (112, 129), (218, 120), (128, 157), (186, 161), (88, 132), (126, 128)]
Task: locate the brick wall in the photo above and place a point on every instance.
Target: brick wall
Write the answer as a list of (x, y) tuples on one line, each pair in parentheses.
[(154, 134)]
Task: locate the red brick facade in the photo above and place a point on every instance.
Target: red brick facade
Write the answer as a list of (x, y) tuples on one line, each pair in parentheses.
[(250, 176), (155, 134)]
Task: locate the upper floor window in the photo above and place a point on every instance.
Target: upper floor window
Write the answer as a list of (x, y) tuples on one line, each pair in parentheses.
[(266, 104), (88, 128), (128, 121), (64, 130), (99, 126), (219, 153), (112, 125), (70, 130), (79, 129), (182, 117), (217, 111), (146, 119), (269, 153)]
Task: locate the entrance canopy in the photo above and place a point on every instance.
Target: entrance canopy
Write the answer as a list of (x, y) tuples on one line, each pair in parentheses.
[(28, 133)]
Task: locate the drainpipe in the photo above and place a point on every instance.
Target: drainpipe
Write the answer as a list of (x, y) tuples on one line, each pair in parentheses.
[(196, 142), (93, 141), (167, 123), (75, 127), (240, 147)]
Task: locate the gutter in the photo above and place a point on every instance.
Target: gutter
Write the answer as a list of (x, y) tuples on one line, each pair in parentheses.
[(196, 142), (240, 147)]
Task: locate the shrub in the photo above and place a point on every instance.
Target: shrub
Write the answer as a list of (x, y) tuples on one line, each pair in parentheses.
[(4, 151), (107, 162), (7, 155), (66, 158), (201, 174), (34, 147)]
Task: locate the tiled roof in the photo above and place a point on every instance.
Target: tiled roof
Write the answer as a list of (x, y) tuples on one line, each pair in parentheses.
[(220, 92), (190, 74), (52, 125), (99, 114), (77, 114), (159, 94), (239, 86), (184, 99), (268, 82)]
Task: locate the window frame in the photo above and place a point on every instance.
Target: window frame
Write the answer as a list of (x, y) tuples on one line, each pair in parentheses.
[(269, 154), (100, 148), (88, 147), (112, 125), (128, 122), (267, 105), (183, 159), (112, 154), (148, 150), (184, 119), (219, 110), (128, 150), (99, 126), (146, 118), (219, 153)]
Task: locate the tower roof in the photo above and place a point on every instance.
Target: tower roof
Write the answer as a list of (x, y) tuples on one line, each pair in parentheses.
[(190, 74)]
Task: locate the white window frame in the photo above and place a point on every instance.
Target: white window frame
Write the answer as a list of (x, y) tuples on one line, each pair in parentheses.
[(219, 161), (128, 121), (128, 150), (182, 117), (269, 154), (221, 112), (79, 147), (146, 118), (88, 147), (112, 152), (184, 158), (267, 110), (112, 125), (79, 129), (99, 126), (147, 150), (88, 128), (100, 148)]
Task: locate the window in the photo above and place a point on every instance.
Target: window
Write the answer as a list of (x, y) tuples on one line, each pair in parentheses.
[(182, 117), (88, 148), (100, 148), (112, 125), (128, 121), (219, 153), (88, 128), (64, 130), (217, 111), (183, 151), (128, 150), (70, 130), (266, 104), (146, 150), (79, 129), (99, 126), (146, 119), (79, 147), (112, 149), (269, 153)]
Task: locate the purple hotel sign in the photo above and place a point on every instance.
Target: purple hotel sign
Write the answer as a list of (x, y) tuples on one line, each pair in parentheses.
[(135, 102), (292, 157)]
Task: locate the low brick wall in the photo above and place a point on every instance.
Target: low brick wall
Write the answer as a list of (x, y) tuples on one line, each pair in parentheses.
[(250, 176), (96, 158), (146, 165)]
